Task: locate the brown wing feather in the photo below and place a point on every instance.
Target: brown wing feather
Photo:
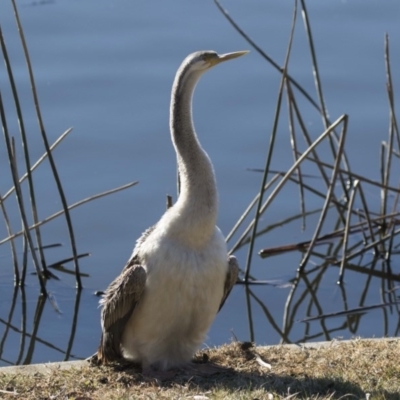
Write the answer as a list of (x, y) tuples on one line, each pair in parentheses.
[(119, 301), (122, 293), (231, 278)]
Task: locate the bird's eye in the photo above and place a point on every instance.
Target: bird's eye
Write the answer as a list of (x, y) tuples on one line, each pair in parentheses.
[(209, 56)]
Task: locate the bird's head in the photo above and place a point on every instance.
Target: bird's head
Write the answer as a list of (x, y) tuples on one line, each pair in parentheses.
[(203, 60), (194, 65)]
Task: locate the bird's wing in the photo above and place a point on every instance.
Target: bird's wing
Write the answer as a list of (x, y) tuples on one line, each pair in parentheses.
[(231, 278), (121, 296), (119, 301)]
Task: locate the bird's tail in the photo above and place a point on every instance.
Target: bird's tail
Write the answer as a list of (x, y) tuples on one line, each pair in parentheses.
[(109, 349)]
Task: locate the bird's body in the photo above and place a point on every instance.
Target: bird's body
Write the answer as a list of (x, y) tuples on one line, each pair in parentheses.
[(178, 305), (158, 311)]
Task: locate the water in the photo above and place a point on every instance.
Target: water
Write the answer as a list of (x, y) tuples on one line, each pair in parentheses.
[(106, 68)]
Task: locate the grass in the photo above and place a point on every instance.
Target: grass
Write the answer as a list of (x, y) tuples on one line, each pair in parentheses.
[(357, 369)]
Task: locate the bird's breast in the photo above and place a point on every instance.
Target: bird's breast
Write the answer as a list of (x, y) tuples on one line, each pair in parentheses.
[(184, 288), (184, 278)]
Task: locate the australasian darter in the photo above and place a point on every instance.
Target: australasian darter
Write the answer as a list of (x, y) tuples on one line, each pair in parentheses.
[(159, 309)]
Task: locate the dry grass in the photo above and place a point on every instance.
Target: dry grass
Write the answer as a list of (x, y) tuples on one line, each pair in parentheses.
[(359, 369)]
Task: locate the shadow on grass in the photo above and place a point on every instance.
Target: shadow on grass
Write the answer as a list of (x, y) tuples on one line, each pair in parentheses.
[(243, 372), (234, 381)]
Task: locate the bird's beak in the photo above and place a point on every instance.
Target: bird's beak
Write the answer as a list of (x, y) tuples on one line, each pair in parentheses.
[(228, 56)]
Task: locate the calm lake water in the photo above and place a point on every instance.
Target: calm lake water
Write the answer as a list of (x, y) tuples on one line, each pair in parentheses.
[(106, 68)]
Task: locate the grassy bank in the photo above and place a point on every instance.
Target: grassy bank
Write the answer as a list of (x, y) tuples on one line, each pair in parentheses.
[(359, 369)]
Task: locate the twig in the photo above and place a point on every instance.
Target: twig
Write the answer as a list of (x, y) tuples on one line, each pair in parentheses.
[(324, 239), (77, 204), (317, 79), (25, 147), (372, 245), (356, 176), (12, 243), (59, 263), (393, 128), (73, 325), (36, 323), (265, 55), (248, 209), (390, 91), (47, 147), (249, 313), (328, 195), (277, 224), (293, 103), (390, 246), (366, 213), (351, 311), (293, 168), (347, 232), (9, 319), (271, 148), (24, 220), (40, 160), (295, 152), (25, 249), (318, 86), (14, 173), (308, 140), (270, 318)]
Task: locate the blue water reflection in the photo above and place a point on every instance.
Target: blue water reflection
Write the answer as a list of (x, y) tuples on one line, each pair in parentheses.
[(106, 68)]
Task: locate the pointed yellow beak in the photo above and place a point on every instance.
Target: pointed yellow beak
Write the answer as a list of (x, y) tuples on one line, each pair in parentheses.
[(228, 56)]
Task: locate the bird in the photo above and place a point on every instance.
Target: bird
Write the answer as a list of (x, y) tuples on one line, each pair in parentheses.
[(158, 311)]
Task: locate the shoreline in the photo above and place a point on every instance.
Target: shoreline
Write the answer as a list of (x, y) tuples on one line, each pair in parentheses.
[(49, 367)]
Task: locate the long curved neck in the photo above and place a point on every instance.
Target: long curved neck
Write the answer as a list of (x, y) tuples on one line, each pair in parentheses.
[(198, 199)]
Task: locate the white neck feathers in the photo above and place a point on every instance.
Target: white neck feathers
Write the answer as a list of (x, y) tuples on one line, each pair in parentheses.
[(197, 205)]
